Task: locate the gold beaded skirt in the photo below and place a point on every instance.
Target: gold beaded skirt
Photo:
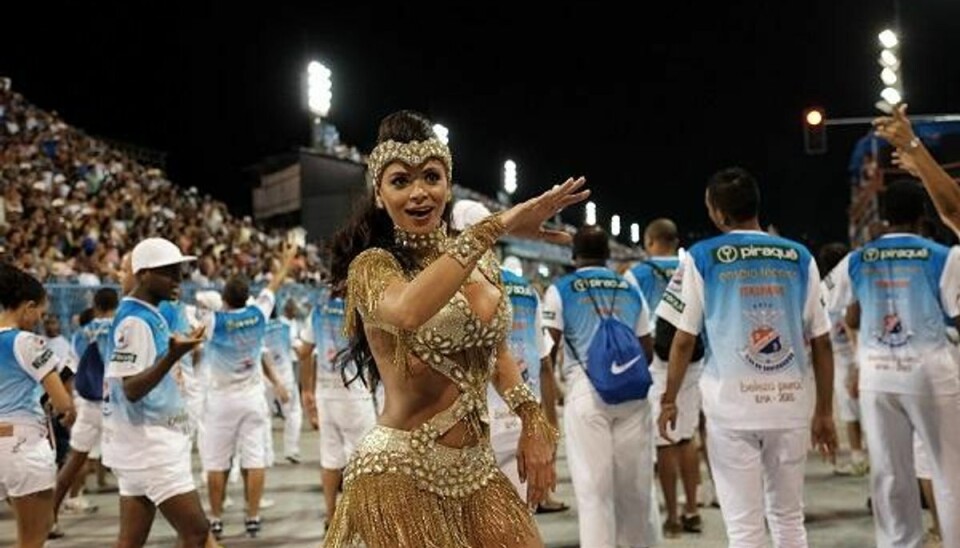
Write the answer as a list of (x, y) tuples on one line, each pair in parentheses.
[(398, 493)]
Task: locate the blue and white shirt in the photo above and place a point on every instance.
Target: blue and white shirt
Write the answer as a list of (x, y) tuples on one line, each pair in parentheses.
[(526, 342), (278, 345), (97, 331), (235, 344), (757, 299), (25, 359), (152, 431), (324, 330), (652, 277), (908, 289), (568, 307)]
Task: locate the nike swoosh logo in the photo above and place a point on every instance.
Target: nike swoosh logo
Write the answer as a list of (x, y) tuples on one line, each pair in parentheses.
[(617, 369)]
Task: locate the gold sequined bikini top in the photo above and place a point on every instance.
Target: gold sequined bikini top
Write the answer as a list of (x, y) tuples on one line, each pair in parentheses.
[(454, 342)]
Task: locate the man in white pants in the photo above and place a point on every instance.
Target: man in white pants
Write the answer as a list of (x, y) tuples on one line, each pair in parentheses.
[(609, 447), (899, 291), (346, 413), (680, 458), (757, 299), (235, 422)]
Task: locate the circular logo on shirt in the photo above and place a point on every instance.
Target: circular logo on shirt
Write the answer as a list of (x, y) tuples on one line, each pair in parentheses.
[(727, 254), (893, 333), (871, 254), (766, 349)]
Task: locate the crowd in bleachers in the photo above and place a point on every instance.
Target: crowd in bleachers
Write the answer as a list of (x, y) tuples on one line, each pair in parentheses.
[(71, 206)]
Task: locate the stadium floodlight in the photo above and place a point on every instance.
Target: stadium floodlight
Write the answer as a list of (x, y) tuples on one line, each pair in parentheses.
[(319, 88), (889, 76), (891, 96), (888, 39), (615, 225), (591, 214), (635, 233), (510, 177), (889, 59), (442, 133)]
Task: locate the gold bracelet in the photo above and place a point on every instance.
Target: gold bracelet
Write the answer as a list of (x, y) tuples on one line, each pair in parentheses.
[(470, 245), (535, 422), (519, 395)]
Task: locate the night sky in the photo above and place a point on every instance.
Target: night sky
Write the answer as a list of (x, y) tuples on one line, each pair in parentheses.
[(645, 107)]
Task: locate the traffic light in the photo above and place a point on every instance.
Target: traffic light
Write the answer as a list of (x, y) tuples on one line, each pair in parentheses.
[(814, 131)]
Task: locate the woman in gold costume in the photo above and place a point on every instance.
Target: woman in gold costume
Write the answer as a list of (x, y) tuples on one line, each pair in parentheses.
[(427, 316)]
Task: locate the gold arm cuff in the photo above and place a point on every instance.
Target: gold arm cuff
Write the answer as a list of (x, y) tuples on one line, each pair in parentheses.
[(535, 422), (519, 395), (469, 246)]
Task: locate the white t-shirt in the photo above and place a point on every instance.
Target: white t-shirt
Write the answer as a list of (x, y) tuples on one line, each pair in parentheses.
[(62, 348), (135, 438), (760, 317), (20, 376), (903, 346), (326, 322), (568, 311)]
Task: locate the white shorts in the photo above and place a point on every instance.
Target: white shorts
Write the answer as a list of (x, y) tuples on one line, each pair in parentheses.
[(235, 423), (343, 423), (87, 429), (158, 483), (27, 461), (847, 407), (688, 401)]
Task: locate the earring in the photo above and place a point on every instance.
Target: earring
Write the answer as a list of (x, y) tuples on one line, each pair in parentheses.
[(379, 203)]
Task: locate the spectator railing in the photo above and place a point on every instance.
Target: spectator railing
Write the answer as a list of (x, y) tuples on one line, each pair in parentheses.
[(68, 300)]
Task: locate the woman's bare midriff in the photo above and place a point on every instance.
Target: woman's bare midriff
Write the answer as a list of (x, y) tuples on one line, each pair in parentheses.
[(413, 399)]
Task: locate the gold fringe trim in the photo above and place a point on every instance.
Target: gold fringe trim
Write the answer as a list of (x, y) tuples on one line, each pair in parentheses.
[(367, 278), (389, 511)]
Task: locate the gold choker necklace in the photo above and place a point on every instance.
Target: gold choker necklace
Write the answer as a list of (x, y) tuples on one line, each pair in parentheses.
[(432, 241)]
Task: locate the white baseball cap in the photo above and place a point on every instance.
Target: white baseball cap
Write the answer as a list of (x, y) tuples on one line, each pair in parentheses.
[(467, 213), (209, 300), (513, 264), (156, 253)]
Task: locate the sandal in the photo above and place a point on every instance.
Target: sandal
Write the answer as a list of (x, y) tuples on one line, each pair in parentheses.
[(551, 507)]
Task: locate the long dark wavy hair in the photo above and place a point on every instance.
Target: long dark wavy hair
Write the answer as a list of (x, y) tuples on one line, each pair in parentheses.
[(370, 227)]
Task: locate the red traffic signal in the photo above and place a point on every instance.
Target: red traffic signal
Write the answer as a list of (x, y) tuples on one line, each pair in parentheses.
[(814, 131)]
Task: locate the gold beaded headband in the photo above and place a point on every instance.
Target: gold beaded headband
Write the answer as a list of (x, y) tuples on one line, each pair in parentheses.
[(413, 153)]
